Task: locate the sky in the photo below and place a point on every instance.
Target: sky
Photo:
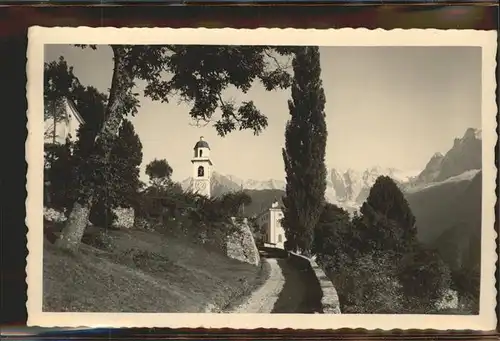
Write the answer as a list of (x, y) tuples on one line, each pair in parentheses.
[(385, 106)]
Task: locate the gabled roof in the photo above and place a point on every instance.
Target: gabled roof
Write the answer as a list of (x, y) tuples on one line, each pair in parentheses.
[(73, 108)]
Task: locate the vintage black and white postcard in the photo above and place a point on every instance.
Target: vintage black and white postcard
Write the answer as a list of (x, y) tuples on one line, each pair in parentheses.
[(269, 178)]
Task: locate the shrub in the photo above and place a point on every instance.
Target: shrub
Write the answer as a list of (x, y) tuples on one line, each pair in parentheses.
[(99, 239), (148, 261), (368, 285), (425, 279), (466, 281)]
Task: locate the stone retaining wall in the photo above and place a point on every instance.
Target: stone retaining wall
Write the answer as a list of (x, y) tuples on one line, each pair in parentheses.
[(125, 217), (330, 299), (240, 244)]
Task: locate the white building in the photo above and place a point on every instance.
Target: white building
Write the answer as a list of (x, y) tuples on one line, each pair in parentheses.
[(270, 222), (66, 127), (202, 168)]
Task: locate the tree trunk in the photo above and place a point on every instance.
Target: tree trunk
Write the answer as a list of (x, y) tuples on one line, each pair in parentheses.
[(121, 83), (75, 226)]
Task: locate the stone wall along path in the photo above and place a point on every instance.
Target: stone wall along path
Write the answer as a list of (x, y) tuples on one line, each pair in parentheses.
[(330, 299)]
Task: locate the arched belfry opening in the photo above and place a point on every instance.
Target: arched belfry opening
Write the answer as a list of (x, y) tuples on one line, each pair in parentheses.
[(202, 167), (201, 171)]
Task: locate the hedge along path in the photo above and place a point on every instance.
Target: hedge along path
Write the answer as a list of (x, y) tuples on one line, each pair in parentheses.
[(263, 299)]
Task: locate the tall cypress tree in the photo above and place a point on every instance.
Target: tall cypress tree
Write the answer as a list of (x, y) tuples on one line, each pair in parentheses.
[(304, 152)]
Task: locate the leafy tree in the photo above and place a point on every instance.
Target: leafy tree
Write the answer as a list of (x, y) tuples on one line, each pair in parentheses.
[(389, 223), (60, 82), (304, 152), (91, 104), (159, 172), (337, 237), (232, 203), (389, 228), (59, 175), (122, 174), (331, 236), (125, 162), (116, 180), (199, 75)]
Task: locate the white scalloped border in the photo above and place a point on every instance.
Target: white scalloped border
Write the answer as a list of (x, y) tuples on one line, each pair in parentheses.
[(39, 36)]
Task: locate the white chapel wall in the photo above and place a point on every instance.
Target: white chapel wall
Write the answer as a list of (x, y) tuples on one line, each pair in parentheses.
[(270, 221), (73, 122), (276, 228), (67, 127), (60, 132)]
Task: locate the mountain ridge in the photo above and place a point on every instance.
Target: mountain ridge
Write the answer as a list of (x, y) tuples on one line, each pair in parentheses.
[(445, 197), (349, 188)]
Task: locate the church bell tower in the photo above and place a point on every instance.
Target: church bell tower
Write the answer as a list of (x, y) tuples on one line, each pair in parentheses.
[(202, 168)]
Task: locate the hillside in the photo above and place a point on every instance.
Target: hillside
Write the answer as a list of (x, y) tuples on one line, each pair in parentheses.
[(262, 200), (144, 272), (449, 217), (446, 200)]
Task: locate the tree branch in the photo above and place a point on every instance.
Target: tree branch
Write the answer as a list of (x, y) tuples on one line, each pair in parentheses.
[(278, 64)]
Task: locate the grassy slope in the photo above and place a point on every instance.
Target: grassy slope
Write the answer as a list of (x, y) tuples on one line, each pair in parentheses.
[(144, 272)]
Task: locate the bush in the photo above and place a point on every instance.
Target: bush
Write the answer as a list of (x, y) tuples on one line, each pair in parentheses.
[(99, 239), (368, 285), (374, 261), (148, 261), (466, 281), (425, 279)]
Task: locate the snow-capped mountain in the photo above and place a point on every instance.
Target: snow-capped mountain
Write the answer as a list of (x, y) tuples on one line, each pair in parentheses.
[(350, 188), (221, 184), (465, 155), (347, 189), (465, 176)]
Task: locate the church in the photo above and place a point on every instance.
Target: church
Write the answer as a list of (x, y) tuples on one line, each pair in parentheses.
[(269, 221), (202, 168)]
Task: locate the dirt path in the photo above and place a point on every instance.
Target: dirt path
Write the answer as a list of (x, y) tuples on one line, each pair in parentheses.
[(263, 299)]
